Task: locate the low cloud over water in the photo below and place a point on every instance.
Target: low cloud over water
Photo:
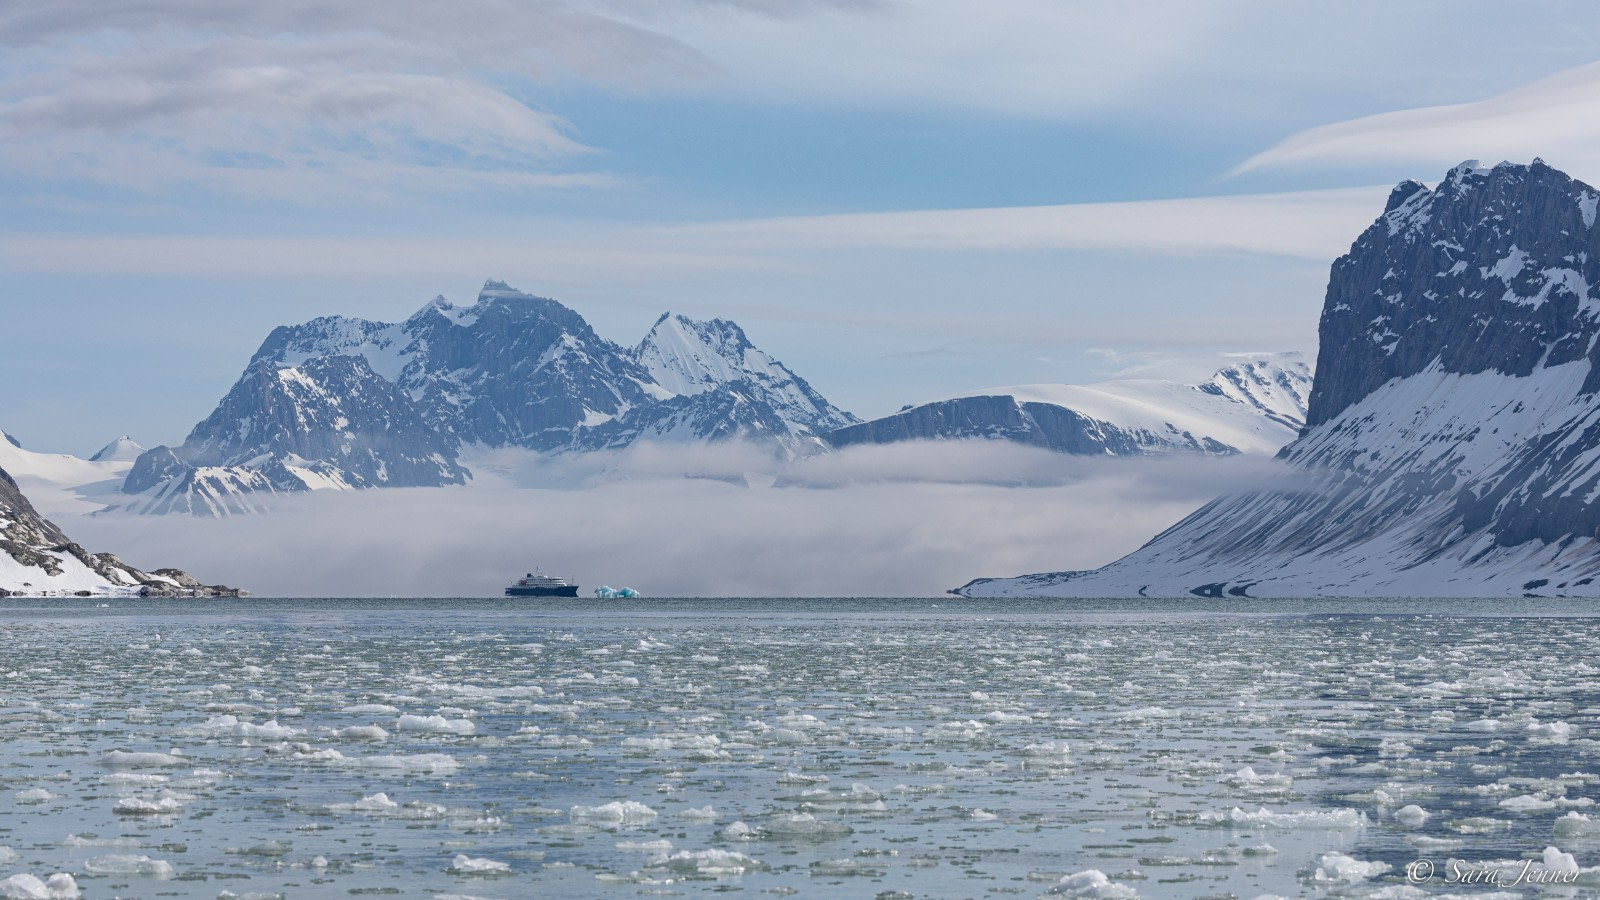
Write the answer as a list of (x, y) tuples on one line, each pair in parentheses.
[(725, 520)]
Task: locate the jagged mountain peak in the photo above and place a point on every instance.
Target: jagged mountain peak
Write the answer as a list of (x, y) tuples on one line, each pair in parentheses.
[(689, 356), (1495, 268)]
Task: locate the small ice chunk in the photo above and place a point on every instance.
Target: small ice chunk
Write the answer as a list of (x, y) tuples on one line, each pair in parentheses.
[(372, 709), (378, 802), (34, 795), (1412, 815), (121, 759), (1556, 861), (466, 865), (364, 733), (703, 814), (1092, 883), (739, 831)]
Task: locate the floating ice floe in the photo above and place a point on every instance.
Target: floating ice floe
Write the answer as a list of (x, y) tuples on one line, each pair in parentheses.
[(1550, 732), (1092, 883), (122, 759), (24, 886), (1337, 867), (375, 733), (378, 802), (1576, 824), (233, 726), (1411, 815), (1263, 817), (712, 863), (435, 725), (128, 864), (617, 812), (134, 806), (34, 795), (466, 865)]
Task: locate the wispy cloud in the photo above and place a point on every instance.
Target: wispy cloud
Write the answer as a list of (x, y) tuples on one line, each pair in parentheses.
[(1313, 225), (902, 520), (1557, 118)]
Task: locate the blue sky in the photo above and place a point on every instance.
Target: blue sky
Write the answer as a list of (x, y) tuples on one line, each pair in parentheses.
[(900, 200)]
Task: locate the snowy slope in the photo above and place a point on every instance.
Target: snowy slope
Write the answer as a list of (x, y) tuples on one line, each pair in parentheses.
[(1454, 444), (1255, 406), (60, 484)]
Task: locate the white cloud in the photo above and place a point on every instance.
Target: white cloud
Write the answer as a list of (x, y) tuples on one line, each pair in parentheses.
[(903, 520), (1557, 118), (1312, 225)]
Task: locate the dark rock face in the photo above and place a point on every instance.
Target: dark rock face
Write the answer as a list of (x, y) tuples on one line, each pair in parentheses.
[(1490, 271), (333, 409)]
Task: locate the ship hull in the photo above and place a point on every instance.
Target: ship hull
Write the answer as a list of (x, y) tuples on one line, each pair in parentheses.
[(566, 590)]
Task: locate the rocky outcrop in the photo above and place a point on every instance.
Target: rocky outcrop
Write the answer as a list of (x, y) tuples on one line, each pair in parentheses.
[(38, 559)]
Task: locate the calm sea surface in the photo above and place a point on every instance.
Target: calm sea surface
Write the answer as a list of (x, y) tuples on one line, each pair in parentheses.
[(830, 748)]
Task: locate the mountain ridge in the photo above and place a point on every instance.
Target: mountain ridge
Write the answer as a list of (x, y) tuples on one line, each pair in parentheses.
[(348, 403)]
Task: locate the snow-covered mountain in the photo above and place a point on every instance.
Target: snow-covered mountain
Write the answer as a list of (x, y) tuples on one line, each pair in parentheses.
[(721, 386), (1453, 444), (36, 558), (123, 449), (1255, 406), (345, 403), (59, 484)]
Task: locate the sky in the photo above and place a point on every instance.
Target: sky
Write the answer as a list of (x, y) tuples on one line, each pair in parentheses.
[(899, 200)]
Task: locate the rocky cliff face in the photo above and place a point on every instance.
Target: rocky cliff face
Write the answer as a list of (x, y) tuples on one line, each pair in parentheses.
[(350, 403), (1453, 436), (36, 558), (1251, 407)]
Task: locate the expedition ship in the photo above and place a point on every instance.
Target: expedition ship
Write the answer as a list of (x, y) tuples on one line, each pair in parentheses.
[(538, 584)]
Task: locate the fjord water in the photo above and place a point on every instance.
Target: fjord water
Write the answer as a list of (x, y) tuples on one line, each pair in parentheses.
[(851, 748)]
